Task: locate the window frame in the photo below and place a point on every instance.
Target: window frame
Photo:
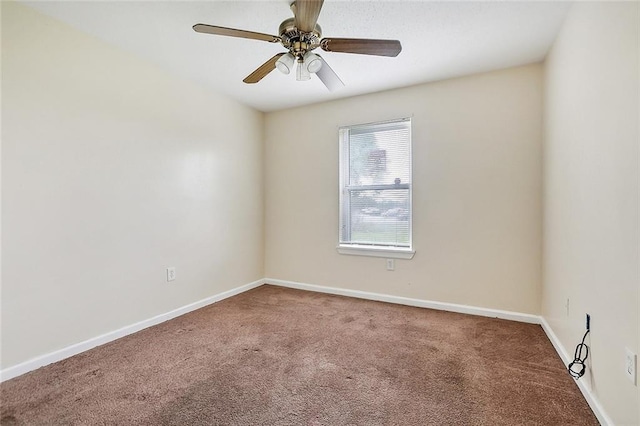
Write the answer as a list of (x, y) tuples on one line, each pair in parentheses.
[(375, 250)]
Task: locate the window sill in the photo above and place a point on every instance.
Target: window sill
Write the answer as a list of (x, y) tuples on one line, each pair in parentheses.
[(389, 253)]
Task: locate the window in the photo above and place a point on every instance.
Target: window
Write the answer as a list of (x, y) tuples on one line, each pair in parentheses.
[(375, 189)]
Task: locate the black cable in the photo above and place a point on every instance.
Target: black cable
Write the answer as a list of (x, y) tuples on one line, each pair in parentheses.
[(577, 368)]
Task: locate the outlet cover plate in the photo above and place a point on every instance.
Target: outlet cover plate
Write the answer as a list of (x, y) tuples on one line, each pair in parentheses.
[(630, 365), (391, 264), (171, 273)]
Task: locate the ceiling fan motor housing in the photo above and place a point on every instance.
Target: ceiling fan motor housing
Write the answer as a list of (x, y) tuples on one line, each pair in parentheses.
[(299, 42)]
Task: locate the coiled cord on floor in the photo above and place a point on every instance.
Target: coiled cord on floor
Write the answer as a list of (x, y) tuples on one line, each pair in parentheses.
[(576, 367)]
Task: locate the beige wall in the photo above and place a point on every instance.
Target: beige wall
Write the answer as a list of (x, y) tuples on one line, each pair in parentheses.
[(591, 194), (113, 170), (476, 192)]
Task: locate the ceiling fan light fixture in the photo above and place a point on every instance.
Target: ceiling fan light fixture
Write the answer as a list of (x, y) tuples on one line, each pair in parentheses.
[(285, 63), (302, 73), (312, 62)]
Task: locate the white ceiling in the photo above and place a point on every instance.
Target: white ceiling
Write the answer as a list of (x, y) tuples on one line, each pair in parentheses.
[(439, 39)]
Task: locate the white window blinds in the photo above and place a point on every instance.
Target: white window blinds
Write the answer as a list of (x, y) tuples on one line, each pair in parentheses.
[(375, 180)]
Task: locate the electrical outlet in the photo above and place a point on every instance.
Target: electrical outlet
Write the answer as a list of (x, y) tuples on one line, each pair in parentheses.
[(630, 365), (391, 264), (171, 273)]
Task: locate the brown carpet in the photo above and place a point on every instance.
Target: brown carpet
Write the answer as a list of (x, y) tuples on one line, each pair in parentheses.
[(276, 356)]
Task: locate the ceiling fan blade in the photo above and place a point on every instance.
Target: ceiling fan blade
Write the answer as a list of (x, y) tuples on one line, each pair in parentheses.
[(329, 77), (364, 46), (232, 32), (263, 70), (306, 13)]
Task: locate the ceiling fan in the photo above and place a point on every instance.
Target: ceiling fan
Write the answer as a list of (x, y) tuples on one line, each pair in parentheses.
[(300, 35)]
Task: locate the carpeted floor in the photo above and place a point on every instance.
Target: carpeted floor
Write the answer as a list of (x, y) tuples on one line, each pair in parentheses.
[(276, 356)]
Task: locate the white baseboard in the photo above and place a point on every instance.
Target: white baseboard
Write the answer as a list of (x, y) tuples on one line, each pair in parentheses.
[(593, 402), (441, 306), (35, 363), (69, 351)]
